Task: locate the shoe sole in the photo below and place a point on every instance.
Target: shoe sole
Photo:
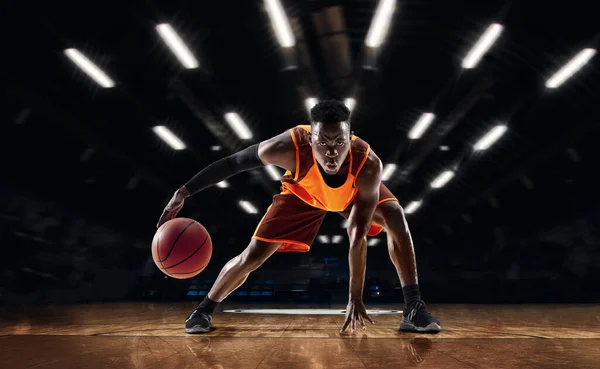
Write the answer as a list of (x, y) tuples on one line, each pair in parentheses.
[(197, 329), (430, 328)]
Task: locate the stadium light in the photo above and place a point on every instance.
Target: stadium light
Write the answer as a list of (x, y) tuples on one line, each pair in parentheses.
[(273, 172), (177, 46), (350, 103), (238, 126), (280, 23), (169, 137), (412, 207), (388, 170), (572, 67), (421, 126), (310, 102), (482, 46), (441, 180), (380, 23), (490, 138), (89, 68), (248, 207)]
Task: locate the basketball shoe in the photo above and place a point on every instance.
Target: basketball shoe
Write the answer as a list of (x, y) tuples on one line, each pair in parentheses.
[(198, 321), (416, 318)]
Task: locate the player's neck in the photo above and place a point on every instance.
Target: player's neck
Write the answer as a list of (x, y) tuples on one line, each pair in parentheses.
[(338, 179)]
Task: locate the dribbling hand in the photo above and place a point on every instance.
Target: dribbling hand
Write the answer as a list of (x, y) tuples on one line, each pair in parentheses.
[(355, 310), (173, 206)]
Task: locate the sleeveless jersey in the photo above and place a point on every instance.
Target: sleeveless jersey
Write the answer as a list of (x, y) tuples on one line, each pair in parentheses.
[(306, 181)]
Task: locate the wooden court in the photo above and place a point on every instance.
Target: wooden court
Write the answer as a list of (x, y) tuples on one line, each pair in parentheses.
[(150, 335)]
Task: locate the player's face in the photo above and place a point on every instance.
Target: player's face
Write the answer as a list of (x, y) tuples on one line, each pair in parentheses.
[(330, 143)]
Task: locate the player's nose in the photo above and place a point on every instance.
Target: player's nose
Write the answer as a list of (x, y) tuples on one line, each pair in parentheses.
[(331, 153)]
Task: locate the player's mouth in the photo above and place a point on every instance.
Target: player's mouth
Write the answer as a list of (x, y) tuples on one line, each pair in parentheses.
[(331, 166)]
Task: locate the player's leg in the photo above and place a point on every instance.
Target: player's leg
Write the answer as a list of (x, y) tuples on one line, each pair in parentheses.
[(390, 215), (400, 245), (288, 225), (415, 317), (233, 275), (235, 272)]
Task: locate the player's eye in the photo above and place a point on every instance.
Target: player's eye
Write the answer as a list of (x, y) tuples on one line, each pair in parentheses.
[(322, 143), (340, 143)]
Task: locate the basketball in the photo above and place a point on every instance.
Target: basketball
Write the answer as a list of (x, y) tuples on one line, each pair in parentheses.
[(181, 248)]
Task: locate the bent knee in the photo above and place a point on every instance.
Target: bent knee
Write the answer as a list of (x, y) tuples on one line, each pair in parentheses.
[(392, 215), (256, 253)]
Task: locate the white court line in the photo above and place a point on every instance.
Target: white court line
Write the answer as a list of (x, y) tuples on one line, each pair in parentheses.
[(305, 311)]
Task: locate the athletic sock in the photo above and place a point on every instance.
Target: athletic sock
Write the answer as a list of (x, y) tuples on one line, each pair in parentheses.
[(208, 306), (411, 294)]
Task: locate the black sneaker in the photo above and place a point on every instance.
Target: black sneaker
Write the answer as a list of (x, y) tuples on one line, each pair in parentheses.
[(416, 318), (198, 322)]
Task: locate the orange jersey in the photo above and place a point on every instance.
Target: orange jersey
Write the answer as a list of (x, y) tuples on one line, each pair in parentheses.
[(307, 182)]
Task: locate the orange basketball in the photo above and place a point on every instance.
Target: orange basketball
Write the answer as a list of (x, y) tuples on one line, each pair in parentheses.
[(181, 248)]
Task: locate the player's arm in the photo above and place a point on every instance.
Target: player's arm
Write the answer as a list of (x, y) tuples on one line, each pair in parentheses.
[(359, 222), (278, 150)]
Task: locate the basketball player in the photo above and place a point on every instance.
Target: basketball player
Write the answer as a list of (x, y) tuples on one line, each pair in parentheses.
[(328, 169)]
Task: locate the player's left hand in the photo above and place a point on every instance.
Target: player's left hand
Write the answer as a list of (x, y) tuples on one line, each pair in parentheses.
[(355, 310)]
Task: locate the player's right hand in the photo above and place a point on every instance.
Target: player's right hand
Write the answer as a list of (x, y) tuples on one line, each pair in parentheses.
[(173, 207)]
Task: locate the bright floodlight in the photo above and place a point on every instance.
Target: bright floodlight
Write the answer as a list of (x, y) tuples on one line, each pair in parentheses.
[(323, 239), (388, 170), (238, 126), (177, 46), (89, 68), (248, 207), (223, 184), (421, 126), (310, 102), (490, 138), (482, 46), (442, 179), (373, 242), (337, 239), (350, 103), (280, 23), (169, 137), (380, 23), (412, 207), (572, 67), (273, 172)]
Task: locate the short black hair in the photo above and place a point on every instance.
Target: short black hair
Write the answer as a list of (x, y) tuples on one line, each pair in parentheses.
[(330, 111)]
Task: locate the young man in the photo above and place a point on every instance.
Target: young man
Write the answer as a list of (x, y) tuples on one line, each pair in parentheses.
[(328, 169)]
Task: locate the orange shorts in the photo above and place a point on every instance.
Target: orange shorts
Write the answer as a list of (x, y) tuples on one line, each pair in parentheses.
[(295, 224)]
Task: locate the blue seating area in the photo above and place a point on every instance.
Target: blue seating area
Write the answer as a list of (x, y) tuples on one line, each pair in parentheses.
[(259, 290), (307, 289), (200, 287)]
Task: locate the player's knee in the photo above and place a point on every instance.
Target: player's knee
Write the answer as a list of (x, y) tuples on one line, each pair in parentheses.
[(253, 256), (393, 216)]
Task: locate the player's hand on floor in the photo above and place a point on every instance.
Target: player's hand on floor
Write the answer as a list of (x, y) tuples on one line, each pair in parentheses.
[(355, 310), (173, 207)]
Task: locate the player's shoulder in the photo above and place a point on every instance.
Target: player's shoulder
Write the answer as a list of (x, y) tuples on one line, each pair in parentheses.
[(370, 173), (285, 142), (373, 164)]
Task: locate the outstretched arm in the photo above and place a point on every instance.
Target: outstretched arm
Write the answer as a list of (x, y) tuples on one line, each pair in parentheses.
[(278, 150), (359, 222)]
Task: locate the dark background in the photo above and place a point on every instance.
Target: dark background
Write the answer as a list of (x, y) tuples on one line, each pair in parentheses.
[(84, 179)]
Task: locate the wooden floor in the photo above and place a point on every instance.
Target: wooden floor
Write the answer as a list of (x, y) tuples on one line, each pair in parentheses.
[(151, 336)]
